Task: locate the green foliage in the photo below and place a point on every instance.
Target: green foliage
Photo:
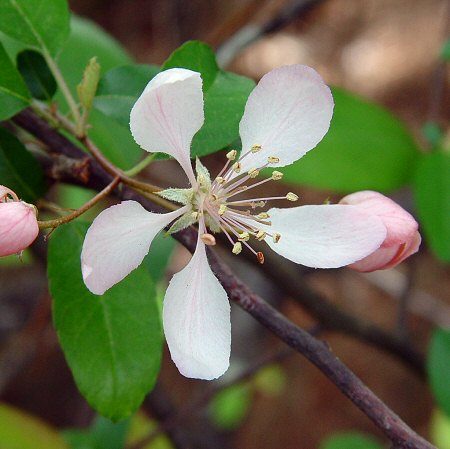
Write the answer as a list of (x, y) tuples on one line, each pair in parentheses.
[(14, 95), (88, 86), (38, 434), (350, 440), (270, 380), (445, 52), (18, 169), (231, 405), (158, 258), (36, 74), (438, 366), (119, 89), (440, 430), (112, 342), (365, 148), (42, 24), (432, 195)]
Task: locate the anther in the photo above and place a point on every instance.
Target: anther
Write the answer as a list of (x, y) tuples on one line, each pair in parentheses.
[(253, 173), (263, 215), (255, 148), (260, 235), (244, 236), (237, 248), (277, 175), (220, 179), (276, 236), (255, 204), (231, 155), (195, 215), (236, 167), (291, 196), (208, 239), (222, 209), (260, 257), (273, 160)]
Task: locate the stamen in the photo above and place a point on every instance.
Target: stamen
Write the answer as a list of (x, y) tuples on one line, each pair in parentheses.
[(255, 148), (244, 236), (260, 235), (231, 155), (208, 239), (260, 257), (273, 160), (291, 196), (220, 179), (195, 215), (263, 215), (237, 248), (222, 209), (277, 175), (276, 236), (236, 167), (253, 173)]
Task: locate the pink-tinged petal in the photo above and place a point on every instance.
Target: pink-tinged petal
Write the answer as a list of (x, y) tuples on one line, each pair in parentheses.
[(326, 236), (288, 113), (18, 227), (117, 242), (196, 317), (168, 113), (403, 238)]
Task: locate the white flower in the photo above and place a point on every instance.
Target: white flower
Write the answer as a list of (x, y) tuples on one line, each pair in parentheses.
[(286, 115)]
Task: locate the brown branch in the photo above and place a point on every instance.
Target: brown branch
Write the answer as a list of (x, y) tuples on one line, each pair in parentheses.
[(402, 436)]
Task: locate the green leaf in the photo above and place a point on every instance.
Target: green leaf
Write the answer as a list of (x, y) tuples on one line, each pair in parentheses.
[(36, 74), (350, 440), (38, 434), (438, 367), (445, 51), (88, 85), (119, 89), (109, 435), (440, 430), (42, 24), (432, 195), (365, 148), (19, 170), (196, 56), (14, 95), (230, 406), (112, 342), (159, 256), (224, 106)]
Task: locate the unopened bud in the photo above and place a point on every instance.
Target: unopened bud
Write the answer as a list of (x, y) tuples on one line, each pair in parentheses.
[(291, 196), (231, 155), (277, 175), (237, 248)]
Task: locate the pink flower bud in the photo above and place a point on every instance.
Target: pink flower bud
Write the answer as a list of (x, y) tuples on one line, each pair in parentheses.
[(402, 239), (18, 223)]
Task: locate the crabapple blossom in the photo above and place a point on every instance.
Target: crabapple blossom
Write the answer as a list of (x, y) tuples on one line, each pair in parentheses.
[(402, 239), (18, 223), (286, 115)]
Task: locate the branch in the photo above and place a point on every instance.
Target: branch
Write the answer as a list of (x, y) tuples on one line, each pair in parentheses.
[(314, 350)]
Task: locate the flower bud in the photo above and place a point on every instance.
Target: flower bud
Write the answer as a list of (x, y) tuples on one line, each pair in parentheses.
[(402, 238), (18, 224)]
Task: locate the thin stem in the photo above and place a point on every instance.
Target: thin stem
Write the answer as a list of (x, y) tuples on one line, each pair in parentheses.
[(133, 171), (59, 221)]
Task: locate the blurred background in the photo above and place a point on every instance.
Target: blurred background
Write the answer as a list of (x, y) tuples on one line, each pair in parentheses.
[(386, 51)]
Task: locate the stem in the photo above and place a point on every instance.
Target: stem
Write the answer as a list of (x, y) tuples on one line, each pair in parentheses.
[(59, 221), (140, 165)]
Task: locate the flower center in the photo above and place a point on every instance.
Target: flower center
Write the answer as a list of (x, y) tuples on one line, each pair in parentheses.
[(219, 210)]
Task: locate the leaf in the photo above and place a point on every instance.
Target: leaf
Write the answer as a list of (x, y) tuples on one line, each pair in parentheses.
[(36, 74), (88, 85), (38, 434), (365, 148), (42, 24), (438, 367), (119, 89), (112, 342), (350, 440), (19, 170), (159, 256), (432, 196), (440, 430), (445, 51), (224, 107), (14, 95), (196, 56)]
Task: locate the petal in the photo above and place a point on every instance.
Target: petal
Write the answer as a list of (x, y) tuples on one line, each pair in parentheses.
[(168, 114), (196, 317), (5, 192), (326, 236), (117, 241), (288, 113), (18, 227)]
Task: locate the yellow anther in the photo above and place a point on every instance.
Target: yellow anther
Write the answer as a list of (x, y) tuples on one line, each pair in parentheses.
[(231, 155), (195, 215), (208, 239), (237, 167), (260, 257), (291, 196), (260, 235), (237, 248), (277, 175), (256, 204), (255, 148), (276, 236), (253, 173), (222, 209), (273, 160), (220, 179), (263, 215), (214, 197), (244, 236)]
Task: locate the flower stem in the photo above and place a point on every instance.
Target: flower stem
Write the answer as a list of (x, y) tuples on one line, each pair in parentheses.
[(67, 218)]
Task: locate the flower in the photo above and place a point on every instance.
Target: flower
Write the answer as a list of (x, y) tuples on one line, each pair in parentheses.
[(402, 239), (18, 223), (286, 115)]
